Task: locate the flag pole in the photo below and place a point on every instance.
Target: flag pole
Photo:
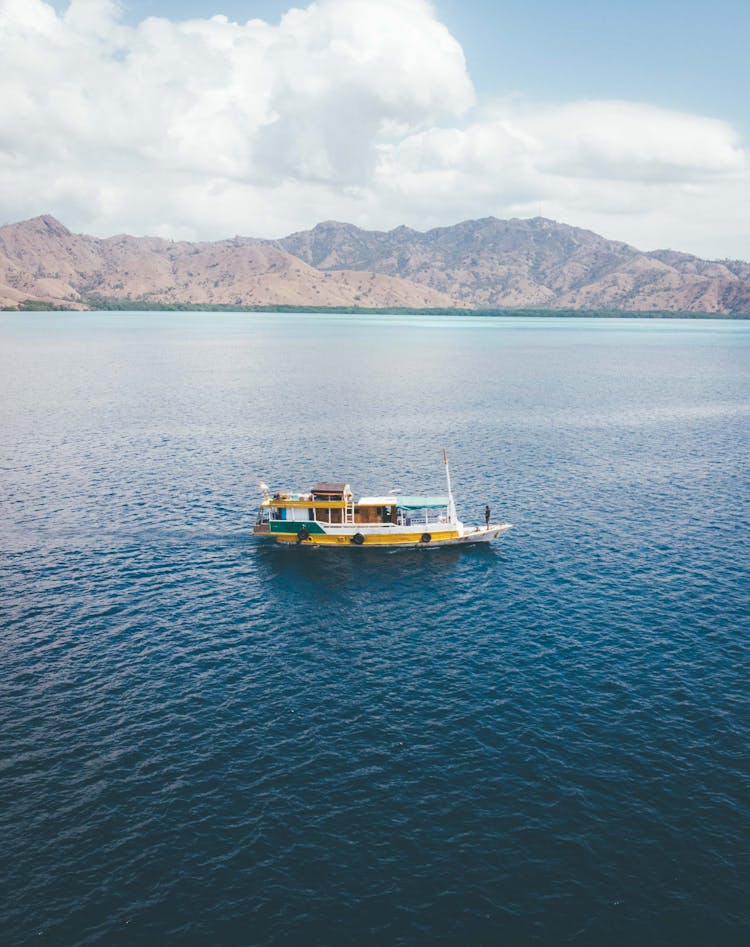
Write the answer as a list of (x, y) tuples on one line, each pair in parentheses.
[(451, 504)]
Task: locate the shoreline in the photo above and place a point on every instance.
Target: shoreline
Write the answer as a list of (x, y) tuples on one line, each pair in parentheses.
[(115, 305)]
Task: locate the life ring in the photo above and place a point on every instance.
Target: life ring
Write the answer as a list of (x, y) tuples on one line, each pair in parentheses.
[(426, 538), (358, 539), (303, 534)]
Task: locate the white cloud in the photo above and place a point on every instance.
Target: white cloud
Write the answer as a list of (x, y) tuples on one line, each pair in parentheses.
[(632, 171), (354, 109), (631, 141)]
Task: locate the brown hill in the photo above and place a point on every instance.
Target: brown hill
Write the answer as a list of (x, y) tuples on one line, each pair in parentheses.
[(42, 261), (477, 264), (493, 263)]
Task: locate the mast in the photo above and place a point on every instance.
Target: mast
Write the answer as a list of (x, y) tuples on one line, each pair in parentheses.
[(451, 504)]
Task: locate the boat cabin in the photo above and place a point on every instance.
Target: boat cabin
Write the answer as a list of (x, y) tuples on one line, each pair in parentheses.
[(333, 504)]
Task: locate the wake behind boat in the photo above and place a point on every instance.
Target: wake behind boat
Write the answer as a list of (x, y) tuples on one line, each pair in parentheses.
[(329, 515)]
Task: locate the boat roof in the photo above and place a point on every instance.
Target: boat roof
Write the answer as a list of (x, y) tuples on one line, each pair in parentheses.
[(378, 501), (421, 503), (329, 488)]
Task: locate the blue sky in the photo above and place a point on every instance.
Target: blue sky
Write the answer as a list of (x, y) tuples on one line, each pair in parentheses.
[(627, 118)]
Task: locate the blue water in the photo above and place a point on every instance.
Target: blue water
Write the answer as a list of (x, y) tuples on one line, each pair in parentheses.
[(208, 741)]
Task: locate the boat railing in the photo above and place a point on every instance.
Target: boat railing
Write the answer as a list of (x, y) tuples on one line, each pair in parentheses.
[(422, 517), (414, 520)]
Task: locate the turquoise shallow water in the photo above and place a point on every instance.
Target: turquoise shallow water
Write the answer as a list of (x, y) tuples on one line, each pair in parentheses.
[(205, 740)]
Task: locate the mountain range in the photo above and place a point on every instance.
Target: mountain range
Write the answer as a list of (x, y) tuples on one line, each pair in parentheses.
[(477, 264)]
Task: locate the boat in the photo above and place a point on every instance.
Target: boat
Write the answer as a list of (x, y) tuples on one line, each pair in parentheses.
[(329, 515)]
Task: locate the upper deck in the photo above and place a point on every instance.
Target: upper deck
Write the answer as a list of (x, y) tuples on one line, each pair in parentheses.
[(333, 504)]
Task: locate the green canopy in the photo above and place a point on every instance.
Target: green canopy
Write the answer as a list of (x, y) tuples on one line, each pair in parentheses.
[(421, 503)]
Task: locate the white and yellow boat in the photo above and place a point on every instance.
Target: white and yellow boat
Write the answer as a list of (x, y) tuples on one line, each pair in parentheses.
[(328, 515)]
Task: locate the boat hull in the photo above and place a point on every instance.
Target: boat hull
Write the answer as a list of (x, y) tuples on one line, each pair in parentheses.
[(362, 538)]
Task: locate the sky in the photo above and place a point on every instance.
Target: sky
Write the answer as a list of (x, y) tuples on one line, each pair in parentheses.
[(202, 119)]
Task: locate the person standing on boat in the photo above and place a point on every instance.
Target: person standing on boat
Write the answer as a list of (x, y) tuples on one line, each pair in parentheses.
[(487, 515)]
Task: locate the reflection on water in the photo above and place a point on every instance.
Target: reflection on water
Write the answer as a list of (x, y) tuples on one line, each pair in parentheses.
[(389, 567)]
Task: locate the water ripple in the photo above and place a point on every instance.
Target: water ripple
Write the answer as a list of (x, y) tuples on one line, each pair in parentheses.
[(205, 740)]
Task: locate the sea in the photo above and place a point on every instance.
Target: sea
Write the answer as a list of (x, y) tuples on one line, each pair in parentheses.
[(205, 740)]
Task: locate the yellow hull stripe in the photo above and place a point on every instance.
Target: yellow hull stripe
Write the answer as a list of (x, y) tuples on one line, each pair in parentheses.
[(380, 539)]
